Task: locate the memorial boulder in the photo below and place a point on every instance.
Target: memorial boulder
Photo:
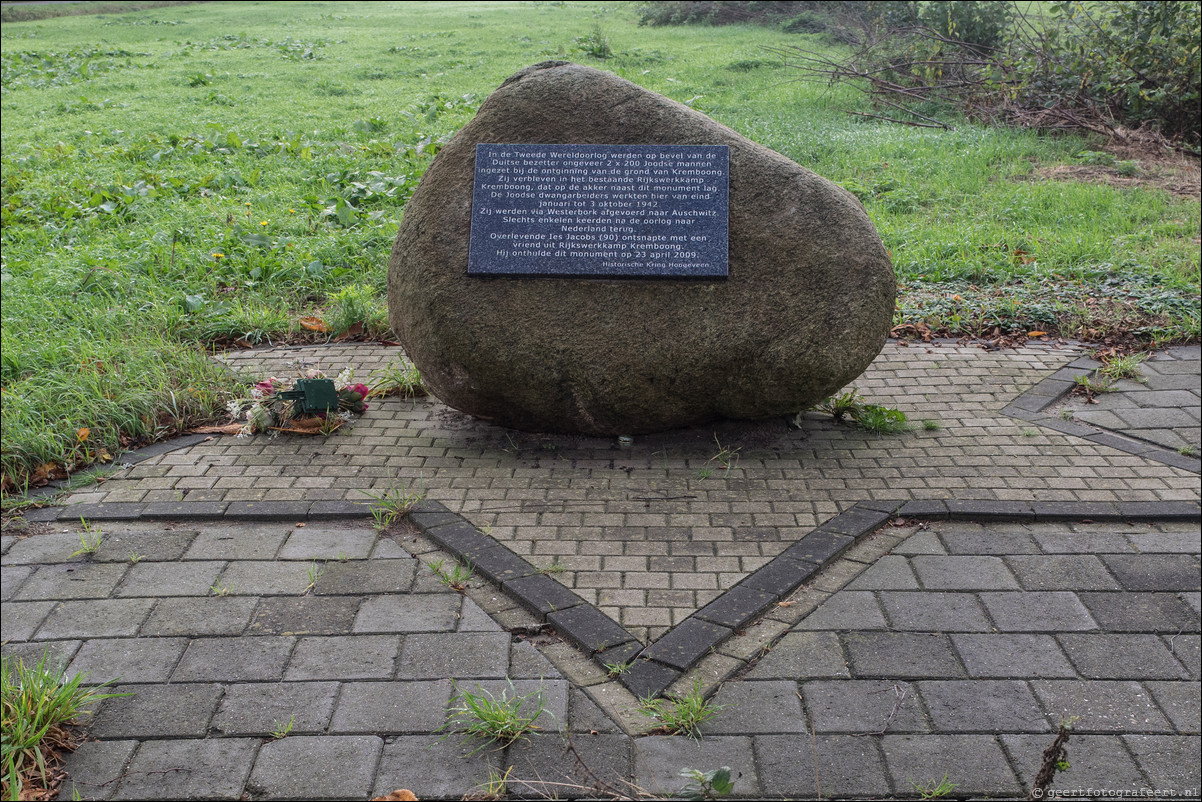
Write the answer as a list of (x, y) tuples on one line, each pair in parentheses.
[(614, 330)]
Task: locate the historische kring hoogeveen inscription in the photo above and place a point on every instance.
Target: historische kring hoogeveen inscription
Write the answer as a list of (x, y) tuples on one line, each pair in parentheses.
[(619, 211)]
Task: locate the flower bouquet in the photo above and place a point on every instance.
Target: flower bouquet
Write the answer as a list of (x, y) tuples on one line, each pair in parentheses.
[(269, 409)]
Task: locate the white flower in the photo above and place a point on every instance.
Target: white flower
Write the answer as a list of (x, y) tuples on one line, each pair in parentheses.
[(345, 377)]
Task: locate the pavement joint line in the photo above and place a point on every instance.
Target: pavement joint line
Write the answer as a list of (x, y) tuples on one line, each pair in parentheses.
[(1032, 404)]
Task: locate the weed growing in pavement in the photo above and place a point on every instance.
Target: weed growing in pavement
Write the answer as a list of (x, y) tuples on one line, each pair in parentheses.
[(499, 720), (314, 572), (393, 504), (37, 704), (221, 590), (1092, 385), (931, 425), (934, 789), (705, 784), (495, 787), (685, 715), (554, 568), (1124, 367), (1187, 451), (279, 730), (134, 558), (455, 578), (398, 379), (870, 417), (618, 669), (90, 539), (842, 405), (1066, 413)]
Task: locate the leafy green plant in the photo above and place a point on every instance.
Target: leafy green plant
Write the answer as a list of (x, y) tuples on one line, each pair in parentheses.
[(393, 503), (134, 558), (931, 425), (934, 789), (595, 44), (454, 577), (221, 590), (90, 539), (713, 784), (38, 703), (1187, 451), (314, 572), (842, 405), (881, 420), (619, 668), (499, 720), (1091, 385), (683, 716)]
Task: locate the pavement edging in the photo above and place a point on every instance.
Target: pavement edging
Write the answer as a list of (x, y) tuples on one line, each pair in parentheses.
[(647, 670), (1033, 404)]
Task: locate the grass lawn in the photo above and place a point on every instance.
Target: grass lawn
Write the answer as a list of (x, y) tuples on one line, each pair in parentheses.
[(185, 178)]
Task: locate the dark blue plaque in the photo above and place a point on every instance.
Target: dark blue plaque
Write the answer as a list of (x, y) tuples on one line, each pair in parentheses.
[(617, 211)]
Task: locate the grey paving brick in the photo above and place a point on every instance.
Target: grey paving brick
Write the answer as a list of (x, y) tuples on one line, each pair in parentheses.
[(418, 612), (1180, 702), (1141, 612), (658, 760), (541, 594), (344, 657), (736, 607), (1091, 758), (588, 628), (686, 643), (473, 619), (262, 578), (316, 767), (261, 708), (317, 542), (584, 716), (1018, 656), (828, 767), (931, 611), (461, 655), (973, 538), (527, 662), (827, 542), (974, 764), (393, 707), (982, 706), (963, 573), (1101, 706), (1038, 611), (1062, 572), (644, 678), (19, 620), (93, 767), (891, 572), (433, 768), (157, 711), (11, 577), (51, 547), (921, 542), (846, 609), (184, 510), (901, 655), (207, 769), (196, 617), (242, 659), (803, 655), (1170, 761), (542, 760), (862, 707), (1121, 656), (361, 577), (156, 545), (780, 576), (72, 581), (128, 659), (246, 542), (1155, 572), (53, 652), (95, 618), (304, 615), (170, 579), (1083, 540), (756, 707), (1187, 649), (1181, 542)]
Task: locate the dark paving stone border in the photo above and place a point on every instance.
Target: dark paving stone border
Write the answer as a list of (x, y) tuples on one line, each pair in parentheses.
[(651, 669), (1032, 406)]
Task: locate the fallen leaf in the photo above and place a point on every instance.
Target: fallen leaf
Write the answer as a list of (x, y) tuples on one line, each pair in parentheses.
[(399, 795), (1037, 334), (314, 324), (299, 525), (83, 433), (354, 331), (225, 428)]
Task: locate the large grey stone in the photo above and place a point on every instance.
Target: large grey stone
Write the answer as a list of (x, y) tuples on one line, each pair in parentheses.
[(807, 305)]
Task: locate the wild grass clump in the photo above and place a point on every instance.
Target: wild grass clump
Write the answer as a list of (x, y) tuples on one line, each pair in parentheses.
[(38, 704), (494, 719)]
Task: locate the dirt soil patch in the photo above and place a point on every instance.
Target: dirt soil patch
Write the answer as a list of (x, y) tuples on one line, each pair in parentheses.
[(1177, 173)]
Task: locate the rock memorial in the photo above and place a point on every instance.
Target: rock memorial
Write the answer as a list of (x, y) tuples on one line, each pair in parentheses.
[(805, 305)]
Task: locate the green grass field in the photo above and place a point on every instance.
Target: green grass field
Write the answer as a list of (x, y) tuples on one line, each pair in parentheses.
[(182, 178)]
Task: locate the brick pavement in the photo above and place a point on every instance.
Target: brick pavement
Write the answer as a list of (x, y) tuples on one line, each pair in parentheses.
[(217, 628)]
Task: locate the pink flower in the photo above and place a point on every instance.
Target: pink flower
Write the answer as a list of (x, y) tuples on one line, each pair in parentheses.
[(361, 389)]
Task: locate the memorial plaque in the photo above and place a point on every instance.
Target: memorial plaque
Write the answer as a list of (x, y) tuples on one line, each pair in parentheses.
[(617, 211)]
